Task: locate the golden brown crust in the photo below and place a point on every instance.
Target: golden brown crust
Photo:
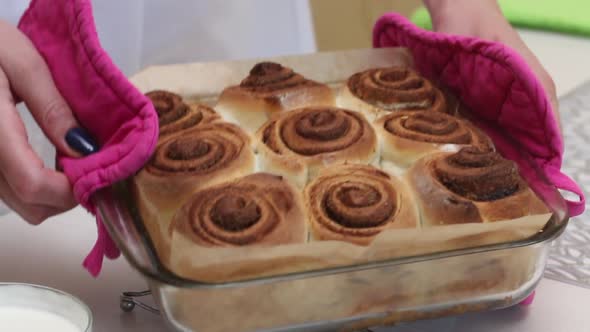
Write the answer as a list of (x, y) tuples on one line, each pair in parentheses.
[(471, 187), (252, 210), (185, 163), (270, 88), (380, 91), (302, 141), (176, 116), (361, 206), (408, 136), (355, 203)]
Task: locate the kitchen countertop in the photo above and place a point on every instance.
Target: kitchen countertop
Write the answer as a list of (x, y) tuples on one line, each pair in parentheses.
[(50, 254)]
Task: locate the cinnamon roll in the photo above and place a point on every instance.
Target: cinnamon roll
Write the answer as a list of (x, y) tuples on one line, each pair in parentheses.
[(408, 136), (473, 185), (185, 163), (268, 89), (298, 143), (258, 209), (379, 91), (355, 203), (175, 115)]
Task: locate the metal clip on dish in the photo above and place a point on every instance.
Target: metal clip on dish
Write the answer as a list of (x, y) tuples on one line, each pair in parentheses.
[(129, 301)]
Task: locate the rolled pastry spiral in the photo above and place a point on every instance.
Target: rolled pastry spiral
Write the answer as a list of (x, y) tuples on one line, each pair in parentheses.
[(300, 141), (478, 174), (408, 136), (175, 115), (432, 127), (379, 91), (270, 77), (256, 209), (355, 203), (472, 185), (268, 89), (185, 163), (209, 149)]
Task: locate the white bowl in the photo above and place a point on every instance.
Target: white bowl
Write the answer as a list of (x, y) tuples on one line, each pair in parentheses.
[(28, 308)]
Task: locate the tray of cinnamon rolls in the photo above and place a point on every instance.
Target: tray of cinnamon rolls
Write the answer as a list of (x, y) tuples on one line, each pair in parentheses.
[(342, 180)]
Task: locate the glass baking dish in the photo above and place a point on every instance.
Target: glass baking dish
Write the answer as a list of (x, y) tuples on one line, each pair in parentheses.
[(344, 298)]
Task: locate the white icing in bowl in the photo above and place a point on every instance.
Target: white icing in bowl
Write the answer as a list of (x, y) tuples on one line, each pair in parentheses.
[(32, 308)]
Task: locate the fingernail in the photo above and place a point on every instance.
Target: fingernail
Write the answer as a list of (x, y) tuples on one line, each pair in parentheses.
[(79, 140)]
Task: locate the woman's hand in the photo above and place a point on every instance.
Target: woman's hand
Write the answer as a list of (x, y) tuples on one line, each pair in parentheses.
[(484, 19), (32, 190)]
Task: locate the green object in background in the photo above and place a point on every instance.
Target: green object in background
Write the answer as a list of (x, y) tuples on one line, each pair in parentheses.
[(422, 18), (565, 16)]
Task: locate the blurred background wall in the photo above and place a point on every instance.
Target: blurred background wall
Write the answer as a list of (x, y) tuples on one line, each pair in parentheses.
[(345, 24)]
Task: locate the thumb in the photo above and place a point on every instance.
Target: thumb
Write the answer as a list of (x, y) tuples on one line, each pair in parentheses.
[(30, 79)]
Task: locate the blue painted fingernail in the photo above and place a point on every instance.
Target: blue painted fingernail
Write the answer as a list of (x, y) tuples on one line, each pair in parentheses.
[(79, 140)]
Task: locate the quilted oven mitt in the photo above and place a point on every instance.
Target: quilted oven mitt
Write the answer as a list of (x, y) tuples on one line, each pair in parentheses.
[(119, 117)]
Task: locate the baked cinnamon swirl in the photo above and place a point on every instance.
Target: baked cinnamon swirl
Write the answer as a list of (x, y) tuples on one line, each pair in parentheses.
[(379, 91), (253, 210), (175, 115), (473, 185), (298, 143), (270, 88), (408, 136), (355, 203), (185, 163)]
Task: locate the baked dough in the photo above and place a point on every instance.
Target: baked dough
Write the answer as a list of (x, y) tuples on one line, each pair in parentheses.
[(354, 203), (379, 91), (270, 88), (183, 164), (298, 143)]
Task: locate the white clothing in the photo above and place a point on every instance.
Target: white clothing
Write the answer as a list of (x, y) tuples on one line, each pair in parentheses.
[(140, 33)]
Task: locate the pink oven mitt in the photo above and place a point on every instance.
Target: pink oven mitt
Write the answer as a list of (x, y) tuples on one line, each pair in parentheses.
[(497, 85), (113, 111)]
